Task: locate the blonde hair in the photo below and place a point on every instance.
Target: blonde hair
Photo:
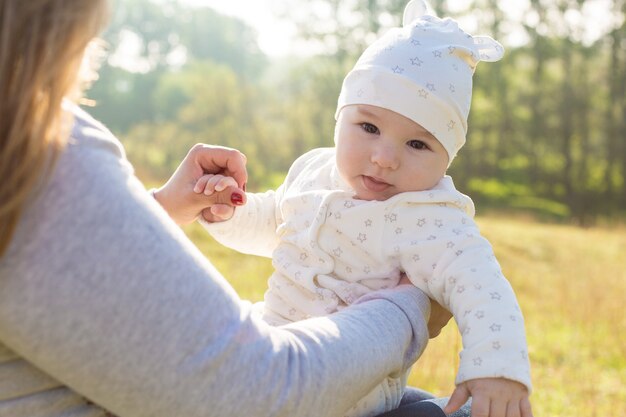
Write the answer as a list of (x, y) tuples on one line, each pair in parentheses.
[(42, 45)]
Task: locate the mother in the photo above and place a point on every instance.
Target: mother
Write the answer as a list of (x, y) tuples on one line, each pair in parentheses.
[(106, 305)]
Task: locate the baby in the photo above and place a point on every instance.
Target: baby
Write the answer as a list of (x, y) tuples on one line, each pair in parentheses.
[(354, 218)]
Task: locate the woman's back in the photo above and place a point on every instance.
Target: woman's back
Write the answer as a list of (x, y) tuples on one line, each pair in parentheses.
[(26, 390)]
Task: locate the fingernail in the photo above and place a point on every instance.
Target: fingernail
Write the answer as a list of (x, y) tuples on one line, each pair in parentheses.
[(236, 199)]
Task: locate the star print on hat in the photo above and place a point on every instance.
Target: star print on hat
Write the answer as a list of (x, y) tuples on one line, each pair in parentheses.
[(422, 71)]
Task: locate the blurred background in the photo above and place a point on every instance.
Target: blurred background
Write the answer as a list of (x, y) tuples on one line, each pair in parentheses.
[(548, 123), (545, 160)]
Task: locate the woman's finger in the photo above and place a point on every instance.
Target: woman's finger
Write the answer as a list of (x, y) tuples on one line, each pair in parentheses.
[(222, 211), (220, 160)]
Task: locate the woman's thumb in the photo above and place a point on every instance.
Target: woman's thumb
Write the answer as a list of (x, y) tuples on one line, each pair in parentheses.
[(222, 204), (230, 196)]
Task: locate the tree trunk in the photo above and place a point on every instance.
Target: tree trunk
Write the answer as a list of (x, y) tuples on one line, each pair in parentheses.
[(621, 88), (566, 122)]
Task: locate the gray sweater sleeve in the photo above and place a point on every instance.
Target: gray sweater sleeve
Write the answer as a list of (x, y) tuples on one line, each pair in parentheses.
[(103, 292)]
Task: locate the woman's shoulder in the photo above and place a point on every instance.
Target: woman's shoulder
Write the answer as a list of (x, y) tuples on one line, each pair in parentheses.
[(89, 134)]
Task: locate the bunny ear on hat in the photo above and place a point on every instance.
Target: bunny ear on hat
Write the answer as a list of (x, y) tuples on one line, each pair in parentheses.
[(489, 49), (415, 9)]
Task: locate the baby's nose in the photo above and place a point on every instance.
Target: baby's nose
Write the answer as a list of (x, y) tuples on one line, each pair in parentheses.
[(385, 156)]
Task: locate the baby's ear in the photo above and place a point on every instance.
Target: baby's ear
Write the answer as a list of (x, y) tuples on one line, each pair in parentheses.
[(489, 49), (415, 9)]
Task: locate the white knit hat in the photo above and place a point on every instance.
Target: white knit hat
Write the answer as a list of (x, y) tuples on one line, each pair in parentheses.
[(422, 71)]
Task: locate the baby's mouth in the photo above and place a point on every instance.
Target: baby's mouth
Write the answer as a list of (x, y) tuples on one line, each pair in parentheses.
[(374, 184)]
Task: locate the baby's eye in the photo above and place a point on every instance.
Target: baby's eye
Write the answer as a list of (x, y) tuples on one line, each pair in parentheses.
[(369, 128), (417, 144)]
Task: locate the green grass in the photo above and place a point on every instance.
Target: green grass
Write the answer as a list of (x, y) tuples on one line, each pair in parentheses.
[(571, 284)]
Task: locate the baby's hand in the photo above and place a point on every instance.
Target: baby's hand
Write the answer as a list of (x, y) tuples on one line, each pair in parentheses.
[(177, 196), (492, 397), (210, 184)]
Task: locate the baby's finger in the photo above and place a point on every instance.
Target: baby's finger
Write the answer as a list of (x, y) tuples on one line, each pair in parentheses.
[(525, 408), (497, 408), (225, 182), (210, 186), (480, 407), (460, 395), (201, 184), (513, 409)]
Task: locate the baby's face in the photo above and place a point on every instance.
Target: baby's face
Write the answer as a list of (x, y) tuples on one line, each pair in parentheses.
[(381, 153)]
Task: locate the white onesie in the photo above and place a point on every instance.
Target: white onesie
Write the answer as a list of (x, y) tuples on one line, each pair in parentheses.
[(329, 249)]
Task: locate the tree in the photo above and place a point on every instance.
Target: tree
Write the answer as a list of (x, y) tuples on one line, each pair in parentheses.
[(343, 29), (164, 35), (615, 126)]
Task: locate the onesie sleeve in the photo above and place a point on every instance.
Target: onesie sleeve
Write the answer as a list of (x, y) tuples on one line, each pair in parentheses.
[(252, 229), (445, 255)]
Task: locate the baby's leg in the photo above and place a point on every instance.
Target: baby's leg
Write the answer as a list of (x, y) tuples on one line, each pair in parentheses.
[(464, 411), (418, 403), (413, 395), (417, 409)]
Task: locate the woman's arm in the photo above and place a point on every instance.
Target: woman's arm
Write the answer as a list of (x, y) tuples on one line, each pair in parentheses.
[(102, 291)]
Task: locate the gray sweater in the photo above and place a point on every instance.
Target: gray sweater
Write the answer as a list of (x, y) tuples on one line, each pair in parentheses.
[(105, 304)]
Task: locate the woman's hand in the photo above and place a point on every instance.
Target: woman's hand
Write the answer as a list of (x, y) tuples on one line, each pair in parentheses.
[(439, 316), (177, 196), (213, 185)]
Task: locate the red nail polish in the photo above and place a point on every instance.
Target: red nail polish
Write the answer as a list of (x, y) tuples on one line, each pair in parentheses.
[(236, 199)]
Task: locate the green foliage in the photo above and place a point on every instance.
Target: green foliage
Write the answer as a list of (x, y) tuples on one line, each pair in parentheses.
[(543, 208), (210, 36), (515, 197), (547, 131), (497, 191), (187, 111), (166, 35)]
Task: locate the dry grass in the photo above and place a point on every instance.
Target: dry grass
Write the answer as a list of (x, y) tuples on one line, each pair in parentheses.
[(571, 284)]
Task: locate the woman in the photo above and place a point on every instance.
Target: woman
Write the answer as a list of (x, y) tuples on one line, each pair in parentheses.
[(105, 305)]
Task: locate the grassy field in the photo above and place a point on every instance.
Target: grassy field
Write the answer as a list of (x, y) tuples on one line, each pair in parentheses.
[(571, 284)]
